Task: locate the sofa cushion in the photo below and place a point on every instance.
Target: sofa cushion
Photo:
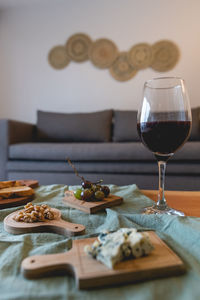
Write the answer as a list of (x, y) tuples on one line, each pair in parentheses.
[(134, 151), (195, 132), (74, 127), (80, 151), (189, 152), (121, 167), (111, 167), (125, 126)]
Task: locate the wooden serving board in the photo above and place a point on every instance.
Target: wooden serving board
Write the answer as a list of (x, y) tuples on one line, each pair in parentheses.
[(90, 273), (13, 202), (93, 206), (58, 225)]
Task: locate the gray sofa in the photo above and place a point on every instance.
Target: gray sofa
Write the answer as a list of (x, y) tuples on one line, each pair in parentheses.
[(102, 145)]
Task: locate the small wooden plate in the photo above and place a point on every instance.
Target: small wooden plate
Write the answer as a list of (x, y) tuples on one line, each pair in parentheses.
[(93, 206), (90, 273), (57, 225), (13, 202)]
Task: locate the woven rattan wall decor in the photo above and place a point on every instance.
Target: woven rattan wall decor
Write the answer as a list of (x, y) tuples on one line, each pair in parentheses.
[(162, 56)]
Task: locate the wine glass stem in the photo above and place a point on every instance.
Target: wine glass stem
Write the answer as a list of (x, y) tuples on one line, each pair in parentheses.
[(161, 203)]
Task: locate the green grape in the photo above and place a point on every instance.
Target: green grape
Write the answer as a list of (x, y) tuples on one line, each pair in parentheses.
[(99, 195), (77, 194)]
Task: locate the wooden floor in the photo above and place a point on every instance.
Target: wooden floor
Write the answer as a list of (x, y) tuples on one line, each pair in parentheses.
[(188, 202)]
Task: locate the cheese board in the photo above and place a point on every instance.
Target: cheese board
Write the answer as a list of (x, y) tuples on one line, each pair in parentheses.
[(17, 201), (91, 207), (89, 273), (57, 225)]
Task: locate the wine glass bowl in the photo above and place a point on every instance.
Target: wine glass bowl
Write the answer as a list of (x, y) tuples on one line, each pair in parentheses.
[(164, 123)]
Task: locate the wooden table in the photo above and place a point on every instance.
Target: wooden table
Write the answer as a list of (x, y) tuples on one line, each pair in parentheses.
[(186, 201)]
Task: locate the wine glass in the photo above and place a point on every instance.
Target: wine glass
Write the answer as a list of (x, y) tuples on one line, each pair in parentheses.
[(164, 123)]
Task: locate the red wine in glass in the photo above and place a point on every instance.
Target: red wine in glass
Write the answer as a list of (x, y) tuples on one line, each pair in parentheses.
[(164, 123), (164, 137)]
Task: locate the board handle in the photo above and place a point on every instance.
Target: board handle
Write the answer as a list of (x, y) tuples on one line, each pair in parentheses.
[(47, 265), (66, 228)]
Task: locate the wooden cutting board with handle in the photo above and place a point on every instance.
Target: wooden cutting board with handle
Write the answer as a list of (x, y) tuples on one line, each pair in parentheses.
[(17, 201), (58, 225), (91, 207), (90, 273)]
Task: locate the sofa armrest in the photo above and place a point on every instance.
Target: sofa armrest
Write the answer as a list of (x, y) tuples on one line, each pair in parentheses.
[(12, 132)]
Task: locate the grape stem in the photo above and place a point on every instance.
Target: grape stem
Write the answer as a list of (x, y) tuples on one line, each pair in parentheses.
[(77, 174), (98, 181), (75, 171)]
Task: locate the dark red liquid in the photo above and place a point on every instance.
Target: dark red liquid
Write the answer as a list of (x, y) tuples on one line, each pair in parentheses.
[(164, 137)]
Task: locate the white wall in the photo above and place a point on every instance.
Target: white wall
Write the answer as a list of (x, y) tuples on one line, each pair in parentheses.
[(27, 33)]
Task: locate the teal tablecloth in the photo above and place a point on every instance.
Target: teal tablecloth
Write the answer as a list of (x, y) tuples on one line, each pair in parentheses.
[(182, 234)]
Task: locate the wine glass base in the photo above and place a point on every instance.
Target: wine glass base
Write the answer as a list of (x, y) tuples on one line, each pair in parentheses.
[(166, 211)]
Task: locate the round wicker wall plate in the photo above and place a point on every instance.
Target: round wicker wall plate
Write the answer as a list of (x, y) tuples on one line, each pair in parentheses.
[(103, 53), (121, 69), (58, 57), (165, 56), (78, 46), (140, 56)]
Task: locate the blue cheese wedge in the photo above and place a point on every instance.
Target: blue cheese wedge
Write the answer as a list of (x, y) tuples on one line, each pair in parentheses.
[(111, 252), (140, 244), (126, 243), (135, 240), (106, 234)]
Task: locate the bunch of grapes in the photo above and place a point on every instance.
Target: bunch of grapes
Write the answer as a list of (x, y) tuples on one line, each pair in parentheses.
[(92, 191)]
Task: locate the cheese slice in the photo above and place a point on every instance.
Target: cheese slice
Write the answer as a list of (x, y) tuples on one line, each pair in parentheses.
[(126, 243)]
